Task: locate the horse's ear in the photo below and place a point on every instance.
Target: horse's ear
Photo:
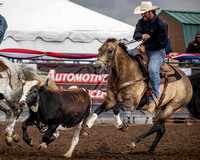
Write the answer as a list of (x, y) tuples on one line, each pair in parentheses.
[(117, 42)]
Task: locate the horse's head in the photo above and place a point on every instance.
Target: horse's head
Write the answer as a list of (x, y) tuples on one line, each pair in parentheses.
[(106, 54)]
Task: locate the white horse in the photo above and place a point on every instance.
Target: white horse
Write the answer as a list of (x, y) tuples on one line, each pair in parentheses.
[(11, 89)]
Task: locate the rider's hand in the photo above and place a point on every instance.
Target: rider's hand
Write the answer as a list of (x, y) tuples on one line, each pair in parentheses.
[(141, 49), (145, 36)]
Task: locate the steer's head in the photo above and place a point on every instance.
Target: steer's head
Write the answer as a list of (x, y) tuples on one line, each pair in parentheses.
[(30, 93)]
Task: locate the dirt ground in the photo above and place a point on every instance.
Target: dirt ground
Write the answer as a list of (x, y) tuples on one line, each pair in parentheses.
[(180, 142)]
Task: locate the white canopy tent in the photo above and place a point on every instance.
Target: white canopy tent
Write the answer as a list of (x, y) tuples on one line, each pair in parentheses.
[(59, 26)]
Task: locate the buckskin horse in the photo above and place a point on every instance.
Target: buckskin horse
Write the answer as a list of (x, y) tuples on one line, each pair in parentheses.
[(126, 90), (11, 89)]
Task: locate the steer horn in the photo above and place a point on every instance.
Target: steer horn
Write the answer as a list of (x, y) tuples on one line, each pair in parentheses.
[(45, 84)]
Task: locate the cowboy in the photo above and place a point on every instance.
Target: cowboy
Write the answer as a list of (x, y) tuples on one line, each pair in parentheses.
[(3, 26), (151, 29)]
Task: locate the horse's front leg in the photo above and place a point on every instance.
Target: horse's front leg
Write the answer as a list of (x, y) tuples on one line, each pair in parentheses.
[(10, 123), (97, 112), (122, 126), (16, 114)]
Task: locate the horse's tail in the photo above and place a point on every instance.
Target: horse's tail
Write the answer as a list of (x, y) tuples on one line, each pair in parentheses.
[(194, 104)]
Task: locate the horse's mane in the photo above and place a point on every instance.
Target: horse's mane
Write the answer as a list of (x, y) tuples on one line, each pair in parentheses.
[(26, 72), (29, 73), (121, 45)]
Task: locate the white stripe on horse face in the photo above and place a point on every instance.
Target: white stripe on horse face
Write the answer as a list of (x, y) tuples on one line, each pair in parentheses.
[(27, 88)]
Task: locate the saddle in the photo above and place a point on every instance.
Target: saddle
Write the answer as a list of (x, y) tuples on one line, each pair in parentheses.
[(5, 68), (167, 74), (166, 70)]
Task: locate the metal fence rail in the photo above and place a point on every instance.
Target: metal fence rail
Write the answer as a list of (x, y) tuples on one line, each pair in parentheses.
[(135, 117)]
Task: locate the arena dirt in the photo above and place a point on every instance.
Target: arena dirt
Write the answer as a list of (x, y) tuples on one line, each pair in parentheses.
[(180, 142)]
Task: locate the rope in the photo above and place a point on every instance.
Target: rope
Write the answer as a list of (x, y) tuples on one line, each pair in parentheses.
[(138, 45), (132, 41), (101, 151)]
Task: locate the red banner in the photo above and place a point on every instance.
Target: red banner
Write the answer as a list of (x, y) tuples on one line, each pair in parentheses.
[(78, 76)]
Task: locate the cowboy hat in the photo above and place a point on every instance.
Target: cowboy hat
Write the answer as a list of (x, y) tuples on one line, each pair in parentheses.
[(144, 7)]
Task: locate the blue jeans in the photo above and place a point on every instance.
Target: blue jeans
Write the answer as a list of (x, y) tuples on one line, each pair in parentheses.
[(156, 59), (195, 62)]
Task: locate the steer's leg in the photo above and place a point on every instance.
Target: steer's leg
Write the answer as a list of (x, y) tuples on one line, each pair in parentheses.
[(75, 140), (47, 137), (29, 121)]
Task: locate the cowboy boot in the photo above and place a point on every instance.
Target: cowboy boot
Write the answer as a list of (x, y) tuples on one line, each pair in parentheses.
[(151, 107)]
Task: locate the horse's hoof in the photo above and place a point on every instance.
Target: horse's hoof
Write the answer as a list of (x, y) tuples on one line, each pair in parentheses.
[(131, 145), (9, 140), (124, 127), (16, 138), (42, 146), (85, 131)]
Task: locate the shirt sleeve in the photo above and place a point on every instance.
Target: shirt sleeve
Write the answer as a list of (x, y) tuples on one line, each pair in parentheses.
[(138, 31)]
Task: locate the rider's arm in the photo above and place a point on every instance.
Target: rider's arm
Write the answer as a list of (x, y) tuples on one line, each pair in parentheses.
[(138, 31)]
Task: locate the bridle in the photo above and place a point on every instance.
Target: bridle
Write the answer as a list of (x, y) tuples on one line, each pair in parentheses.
[(114, 51)]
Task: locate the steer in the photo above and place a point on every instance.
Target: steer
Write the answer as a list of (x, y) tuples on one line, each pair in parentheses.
[(52, 111)]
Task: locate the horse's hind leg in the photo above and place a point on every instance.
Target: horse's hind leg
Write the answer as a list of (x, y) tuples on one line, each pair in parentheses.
[(159, 127)]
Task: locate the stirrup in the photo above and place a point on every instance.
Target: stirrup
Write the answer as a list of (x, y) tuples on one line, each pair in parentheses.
[(155, 99)]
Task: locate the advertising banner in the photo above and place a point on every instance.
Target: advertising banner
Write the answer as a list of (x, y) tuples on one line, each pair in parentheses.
[(78, 76)]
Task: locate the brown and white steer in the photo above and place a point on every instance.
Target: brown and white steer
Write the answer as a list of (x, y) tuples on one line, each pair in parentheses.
[(52, 111)]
